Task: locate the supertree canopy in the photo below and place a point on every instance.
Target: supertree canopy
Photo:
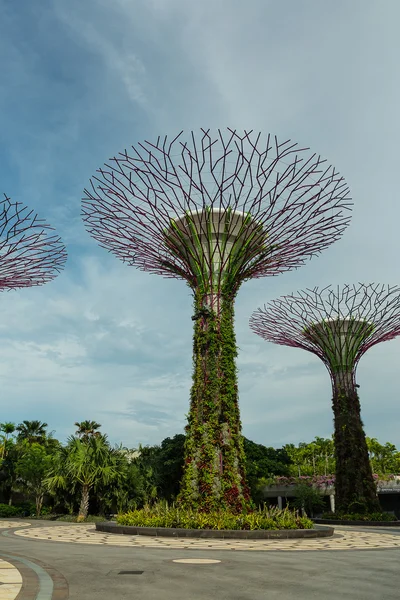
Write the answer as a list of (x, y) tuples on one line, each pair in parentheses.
[(215, 210), (30, 254), (339, 326)]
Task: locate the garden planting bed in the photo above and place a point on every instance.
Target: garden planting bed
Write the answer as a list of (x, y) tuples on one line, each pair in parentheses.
[(239, 534), (358, 523)]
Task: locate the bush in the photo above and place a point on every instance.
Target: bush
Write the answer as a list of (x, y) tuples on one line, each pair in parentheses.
[(308, 499), (360, 516), (7, 512), (162, 515), (26, 509)]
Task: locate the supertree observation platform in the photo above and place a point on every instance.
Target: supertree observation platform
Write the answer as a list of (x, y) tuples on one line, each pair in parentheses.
[(215, 243), (338, 326), (216, 209), (30, 254)]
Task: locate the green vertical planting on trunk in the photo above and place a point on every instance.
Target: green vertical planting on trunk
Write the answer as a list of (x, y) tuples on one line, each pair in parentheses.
[(355, 489), (214, 473)]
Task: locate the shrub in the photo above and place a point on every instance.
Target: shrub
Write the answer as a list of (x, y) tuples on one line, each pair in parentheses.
[(308, 498), (377, 516), (7, 512), (161, 515), (26, 509)]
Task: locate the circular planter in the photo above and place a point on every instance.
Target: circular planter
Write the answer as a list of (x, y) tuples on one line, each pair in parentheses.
[(366, 523), (239, 534)]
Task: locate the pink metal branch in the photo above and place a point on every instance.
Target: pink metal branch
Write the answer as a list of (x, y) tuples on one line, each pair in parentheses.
[(287, 320), (29, 254), (301, 203)]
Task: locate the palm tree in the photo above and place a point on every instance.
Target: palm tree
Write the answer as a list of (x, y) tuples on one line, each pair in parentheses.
[(7, 428), (87, 429), (86, 464), (32, 431)]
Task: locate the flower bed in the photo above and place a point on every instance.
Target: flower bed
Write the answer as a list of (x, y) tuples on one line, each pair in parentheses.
[(176, 518), (372, 517)]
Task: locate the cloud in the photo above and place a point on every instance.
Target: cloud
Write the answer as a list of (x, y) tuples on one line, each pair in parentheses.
[(84, 80)]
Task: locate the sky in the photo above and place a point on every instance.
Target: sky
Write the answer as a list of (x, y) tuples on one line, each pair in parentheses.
[(84, 79)]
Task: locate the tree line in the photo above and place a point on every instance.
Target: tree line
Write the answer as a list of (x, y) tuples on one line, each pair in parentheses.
[(87, 475)]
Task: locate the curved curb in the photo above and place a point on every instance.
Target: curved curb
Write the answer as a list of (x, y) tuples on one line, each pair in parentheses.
[(239, 534), (39, 580), (358, 523)]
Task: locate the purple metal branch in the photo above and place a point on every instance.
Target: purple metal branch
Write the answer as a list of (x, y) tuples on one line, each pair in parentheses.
[(288, 320), (29, 254), (300, 203)]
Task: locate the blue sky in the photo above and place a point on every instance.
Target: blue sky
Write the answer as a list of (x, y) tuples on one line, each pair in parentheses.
[(84, 79)]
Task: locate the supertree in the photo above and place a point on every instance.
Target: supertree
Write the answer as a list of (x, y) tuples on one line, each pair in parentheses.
[(216, 210), (338, 326), (30, 254)]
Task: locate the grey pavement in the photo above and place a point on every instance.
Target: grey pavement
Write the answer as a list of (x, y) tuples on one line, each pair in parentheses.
[(92, 572)]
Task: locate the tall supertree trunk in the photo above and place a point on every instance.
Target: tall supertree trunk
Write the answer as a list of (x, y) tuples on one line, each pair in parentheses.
[(355, 489), (214, 472)]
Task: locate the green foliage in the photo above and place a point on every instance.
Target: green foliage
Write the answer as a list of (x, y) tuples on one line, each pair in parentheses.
[(157, 471), (7, 512), (375, 516), (87, 429), (32, 468), (7, 429), (214, 471), (32, 431), (354, 482), (162, 515), (26, 508), (308, 499), (261, 463), (85, 464), (314, 458), (385, 458)]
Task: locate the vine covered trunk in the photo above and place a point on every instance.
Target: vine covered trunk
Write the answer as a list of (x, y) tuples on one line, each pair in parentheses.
[(214, 471), (355, 489)]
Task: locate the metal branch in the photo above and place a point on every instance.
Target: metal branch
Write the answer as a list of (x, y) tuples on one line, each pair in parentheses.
[(301, 205), (29, 254), (313, 320)]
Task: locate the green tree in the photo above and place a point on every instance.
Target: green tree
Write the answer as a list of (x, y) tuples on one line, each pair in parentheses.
[(87, 429), (263, 462), (84, 464), (8, 476), (150, 471), (301, 459), (314, 458), (32, 468), (32, 431), (325, 453), (170, 461), (7, 429), (308, 499), (384, 458)]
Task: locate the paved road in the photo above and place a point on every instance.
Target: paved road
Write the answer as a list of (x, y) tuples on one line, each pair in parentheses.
[(92, 572)]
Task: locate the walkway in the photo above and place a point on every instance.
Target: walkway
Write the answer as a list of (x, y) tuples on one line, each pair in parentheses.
[(345, 539)]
